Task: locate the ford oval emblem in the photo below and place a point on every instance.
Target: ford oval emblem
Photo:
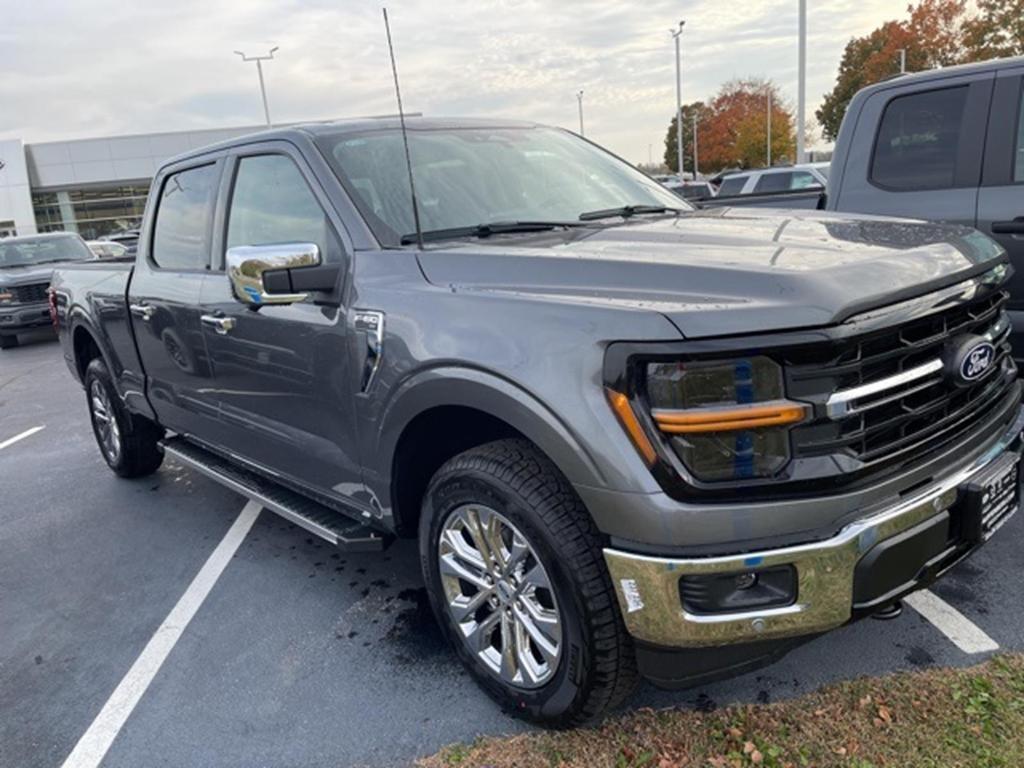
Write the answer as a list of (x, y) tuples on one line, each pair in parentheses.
[(976, 361)]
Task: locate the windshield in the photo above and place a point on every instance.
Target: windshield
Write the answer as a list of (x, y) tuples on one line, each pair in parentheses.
[(26, 251), (470, 176)]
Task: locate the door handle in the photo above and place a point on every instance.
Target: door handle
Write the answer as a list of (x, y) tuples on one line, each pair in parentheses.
[(220, 324), (144, 311), (1015, 227)]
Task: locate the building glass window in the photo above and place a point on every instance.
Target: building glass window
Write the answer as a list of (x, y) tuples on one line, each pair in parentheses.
[(91, 211)]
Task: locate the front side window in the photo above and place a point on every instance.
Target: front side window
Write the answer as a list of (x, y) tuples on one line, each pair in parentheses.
[(919, 140), (470, 176), (733, 185), (272, 203), (181, 233)]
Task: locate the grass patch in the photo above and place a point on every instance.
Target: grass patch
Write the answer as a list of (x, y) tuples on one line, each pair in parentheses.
[(938, 718)]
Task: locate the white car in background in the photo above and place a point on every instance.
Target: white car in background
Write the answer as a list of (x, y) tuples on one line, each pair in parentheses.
[(788, 178), (107, 249)]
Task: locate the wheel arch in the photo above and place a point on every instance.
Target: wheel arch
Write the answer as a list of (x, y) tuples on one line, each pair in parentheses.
[(448, 410)]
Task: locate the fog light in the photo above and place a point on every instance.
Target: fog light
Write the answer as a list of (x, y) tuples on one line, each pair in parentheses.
[(738, 591)]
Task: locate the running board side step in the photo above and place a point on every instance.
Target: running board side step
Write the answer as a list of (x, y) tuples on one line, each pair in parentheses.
[(330, 525)]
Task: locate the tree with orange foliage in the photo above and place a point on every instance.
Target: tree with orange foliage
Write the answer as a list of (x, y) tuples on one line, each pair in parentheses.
[(997, 31), (732, 129)]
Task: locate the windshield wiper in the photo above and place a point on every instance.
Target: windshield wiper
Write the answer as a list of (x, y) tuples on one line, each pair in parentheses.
[(486, 230), (626, 211)]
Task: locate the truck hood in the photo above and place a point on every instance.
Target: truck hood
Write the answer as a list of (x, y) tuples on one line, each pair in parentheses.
[(35, 273), (726, 271)]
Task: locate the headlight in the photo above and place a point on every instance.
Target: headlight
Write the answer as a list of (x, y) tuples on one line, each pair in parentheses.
[(725, 419)]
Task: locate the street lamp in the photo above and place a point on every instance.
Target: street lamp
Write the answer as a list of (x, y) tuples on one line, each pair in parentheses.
[(903, 61), (676, 34), (579, 99), (801, 90), (259, 69)]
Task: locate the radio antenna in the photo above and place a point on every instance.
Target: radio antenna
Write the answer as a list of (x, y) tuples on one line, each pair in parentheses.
[(405, 135)]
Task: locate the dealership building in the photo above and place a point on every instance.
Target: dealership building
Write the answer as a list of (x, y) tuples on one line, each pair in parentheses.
[(90, 186)]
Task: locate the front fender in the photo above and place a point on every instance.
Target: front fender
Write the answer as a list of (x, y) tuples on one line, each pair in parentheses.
[(486, 392)]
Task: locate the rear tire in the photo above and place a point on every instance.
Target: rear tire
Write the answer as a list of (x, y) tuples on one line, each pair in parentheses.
[(8, 342), (129, 444), (510, 496)]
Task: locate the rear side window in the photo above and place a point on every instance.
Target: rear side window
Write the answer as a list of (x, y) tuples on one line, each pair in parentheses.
[(774, 182), (181, 234), (919, 140), (733, 185), (272, 203)]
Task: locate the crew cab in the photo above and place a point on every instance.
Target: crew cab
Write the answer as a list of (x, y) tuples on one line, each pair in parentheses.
[(629, 436), (944, 145)]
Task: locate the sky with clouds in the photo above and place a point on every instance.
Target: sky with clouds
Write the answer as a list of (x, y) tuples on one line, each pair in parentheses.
[(83, 68)]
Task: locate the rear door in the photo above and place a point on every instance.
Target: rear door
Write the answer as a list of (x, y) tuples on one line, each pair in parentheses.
[(917, 151), (1001, 198), (163, 297), (282, 372)]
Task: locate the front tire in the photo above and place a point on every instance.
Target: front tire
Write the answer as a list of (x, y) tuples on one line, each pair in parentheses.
[(516, 578), (129, 444)]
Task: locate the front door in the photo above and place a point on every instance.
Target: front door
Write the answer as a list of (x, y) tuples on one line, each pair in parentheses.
[(282, 374), (1001, 199), (164, 297)]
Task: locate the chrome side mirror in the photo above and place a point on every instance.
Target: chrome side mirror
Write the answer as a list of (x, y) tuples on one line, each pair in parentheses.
[(261, 274)]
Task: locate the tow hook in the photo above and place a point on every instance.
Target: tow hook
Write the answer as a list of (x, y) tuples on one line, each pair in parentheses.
[(888, 613)]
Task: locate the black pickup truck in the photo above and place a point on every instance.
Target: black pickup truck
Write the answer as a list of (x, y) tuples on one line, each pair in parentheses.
[(945, 145), (628, 436)]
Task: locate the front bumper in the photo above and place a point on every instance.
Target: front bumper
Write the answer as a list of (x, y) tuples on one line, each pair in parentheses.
[(22, 317), (829, 582)]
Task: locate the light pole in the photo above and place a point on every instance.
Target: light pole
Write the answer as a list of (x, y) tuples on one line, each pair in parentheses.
[(696, 165), (676, 34), (768, 148), (903, 61), (801, 98), (579, 98), (259, 69)]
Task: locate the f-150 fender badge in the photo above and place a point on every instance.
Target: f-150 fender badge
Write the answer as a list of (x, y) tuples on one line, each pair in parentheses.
[(631, 593), (369, 326)]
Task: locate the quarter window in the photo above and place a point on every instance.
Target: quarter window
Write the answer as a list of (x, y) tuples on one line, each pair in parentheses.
[(272, 203), (181, 233), (733, 185), (919, 140)]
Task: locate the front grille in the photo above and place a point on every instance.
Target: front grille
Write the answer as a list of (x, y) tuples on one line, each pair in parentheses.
[(918, 410), (28, 294)]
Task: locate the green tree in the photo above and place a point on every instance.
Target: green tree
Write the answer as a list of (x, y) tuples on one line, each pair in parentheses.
[(699, 109), (997, 31)]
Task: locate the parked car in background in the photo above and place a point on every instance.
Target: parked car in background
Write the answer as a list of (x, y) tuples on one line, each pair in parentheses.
[(768, 180), (945, 145), (26, 266), (129, 238), (108, 249), (692, 190), (628, 436)]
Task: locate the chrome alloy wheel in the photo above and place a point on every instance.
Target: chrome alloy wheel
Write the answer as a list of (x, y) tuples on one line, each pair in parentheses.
[(107, 430), (500, 596)]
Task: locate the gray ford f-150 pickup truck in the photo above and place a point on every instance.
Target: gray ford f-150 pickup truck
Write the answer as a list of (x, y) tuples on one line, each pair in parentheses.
[(629, 436)]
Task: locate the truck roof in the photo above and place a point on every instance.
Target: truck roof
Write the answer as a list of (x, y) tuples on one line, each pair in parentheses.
[(354, 125), (943, 73)]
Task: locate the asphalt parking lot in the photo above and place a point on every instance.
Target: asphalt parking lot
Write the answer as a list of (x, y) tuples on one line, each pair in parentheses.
[(299, 655)]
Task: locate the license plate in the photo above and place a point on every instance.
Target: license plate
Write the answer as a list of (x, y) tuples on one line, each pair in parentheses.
[(993, 496)]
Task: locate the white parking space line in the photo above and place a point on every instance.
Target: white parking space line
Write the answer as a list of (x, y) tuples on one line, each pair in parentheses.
[(93, 746), (967, 636), (27, 433)]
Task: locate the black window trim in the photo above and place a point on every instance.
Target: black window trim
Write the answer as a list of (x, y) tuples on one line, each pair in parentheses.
[(227, 193), (201, 162), (971, 141)]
